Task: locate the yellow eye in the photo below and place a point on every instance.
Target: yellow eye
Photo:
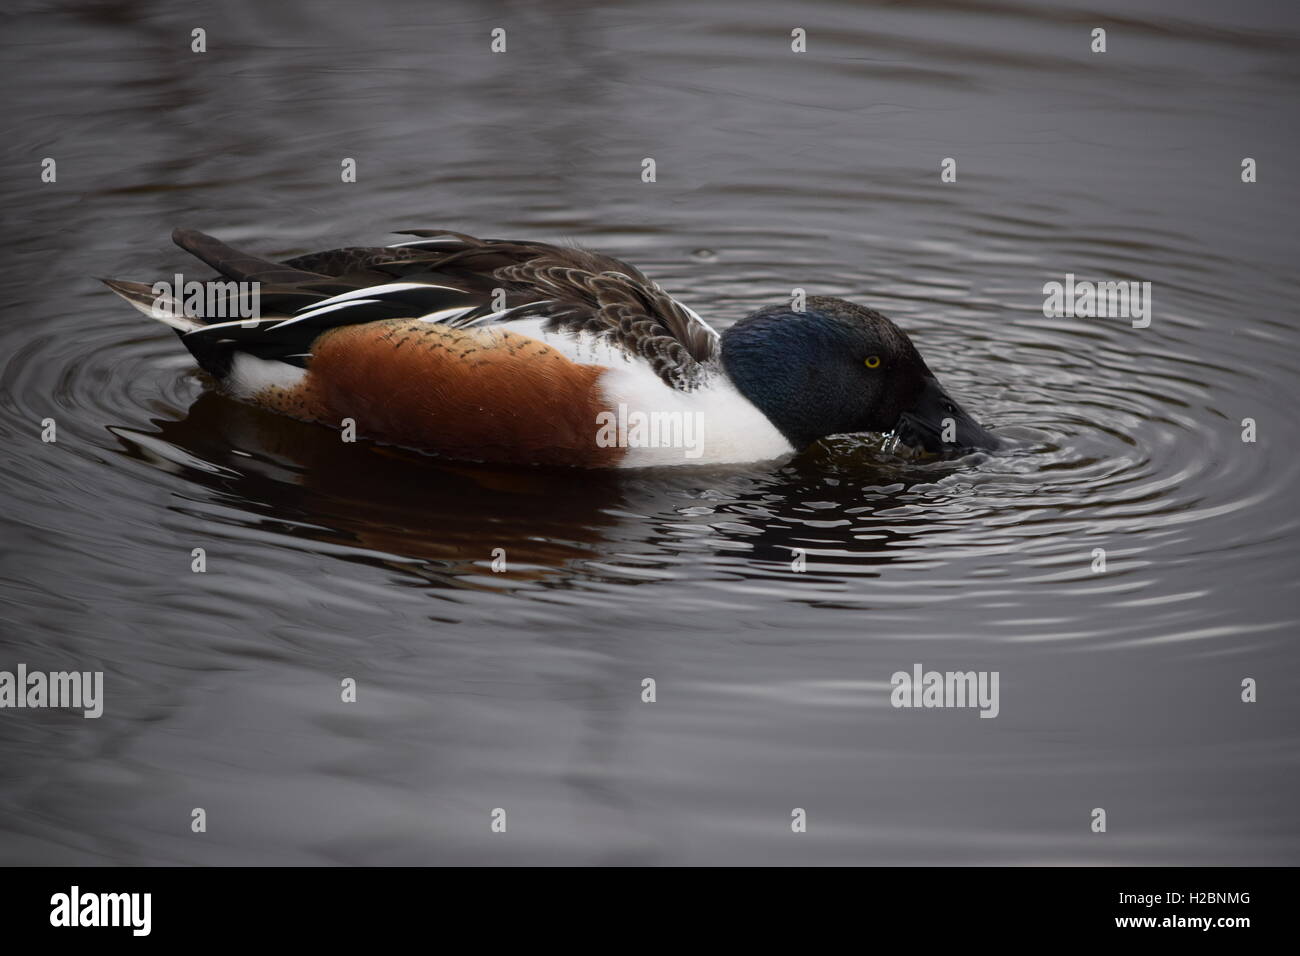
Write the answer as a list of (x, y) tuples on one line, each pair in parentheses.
[(873, 361)]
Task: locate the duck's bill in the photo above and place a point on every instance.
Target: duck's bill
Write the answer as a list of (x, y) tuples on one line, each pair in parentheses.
[(938, 424)]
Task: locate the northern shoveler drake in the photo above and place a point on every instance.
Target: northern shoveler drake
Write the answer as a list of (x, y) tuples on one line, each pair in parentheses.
[(505, 351)]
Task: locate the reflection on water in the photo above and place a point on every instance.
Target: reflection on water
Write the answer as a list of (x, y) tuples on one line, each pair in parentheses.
[(522, 688)]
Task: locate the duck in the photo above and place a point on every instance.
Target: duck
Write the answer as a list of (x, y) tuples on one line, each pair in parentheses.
[(522, 352)]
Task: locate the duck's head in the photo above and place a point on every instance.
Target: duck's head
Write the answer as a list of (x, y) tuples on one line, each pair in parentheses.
[(837, 368)]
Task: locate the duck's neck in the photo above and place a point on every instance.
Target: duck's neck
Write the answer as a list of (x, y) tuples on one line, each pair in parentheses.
[(767, 365)]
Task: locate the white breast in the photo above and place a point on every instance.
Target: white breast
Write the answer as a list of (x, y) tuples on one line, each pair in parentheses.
[(712, 425)]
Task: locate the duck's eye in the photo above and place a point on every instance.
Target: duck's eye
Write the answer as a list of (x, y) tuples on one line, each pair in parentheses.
[(872, 361)]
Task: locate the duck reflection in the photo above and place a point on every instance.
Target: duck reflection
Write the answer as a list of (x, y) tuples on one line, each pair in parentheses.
[(411, 507)]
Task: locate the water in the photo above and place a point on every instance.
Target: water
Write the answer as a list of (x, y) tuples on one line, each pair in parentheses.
[(522, 690)]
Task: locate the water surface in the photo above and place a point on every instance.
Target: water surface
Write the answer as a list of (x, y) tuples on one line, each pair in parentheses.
[(522, 690)]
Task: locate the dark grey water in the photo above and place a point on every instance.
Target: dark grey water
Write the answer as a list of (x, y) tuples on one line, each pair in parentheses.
[(1119, 690)]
